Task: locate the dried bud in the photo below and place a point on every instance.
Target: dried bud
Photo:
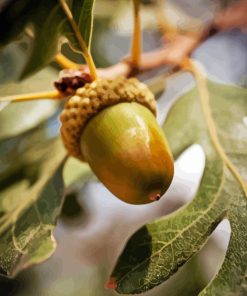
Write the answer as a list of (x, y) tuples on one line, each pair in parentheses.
[(70, 80)]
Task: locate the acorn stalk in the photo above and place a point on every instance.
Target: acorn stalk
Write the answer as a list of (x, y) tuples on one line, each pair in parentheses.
[(111, 125)]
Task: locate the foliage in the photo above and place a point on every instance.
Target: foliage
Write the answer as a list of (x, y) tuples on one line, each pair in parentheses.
[(30, 206), (32, 186), (49, 23)]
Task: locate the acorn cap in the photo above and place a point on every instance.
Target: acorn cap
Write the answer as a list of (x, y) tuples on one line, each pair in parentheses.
[(94, 97)]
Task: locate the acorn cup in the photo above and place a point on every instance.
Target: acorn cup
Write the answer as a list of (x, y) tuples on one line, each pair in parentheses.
[(111, 125)]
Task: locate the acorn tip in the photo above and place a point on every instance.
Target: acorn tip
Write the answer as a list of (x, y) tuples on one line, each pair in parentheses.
[(155, 197), (111, 284)]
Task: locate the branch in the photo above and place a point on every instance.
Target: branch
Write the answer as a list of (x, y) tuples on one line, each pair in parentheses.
[(178, 47), (175, 53), (172, 54)]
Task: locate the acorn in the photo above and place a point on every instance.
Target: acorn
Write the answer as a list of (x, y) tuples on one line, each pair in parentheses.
[(111, 125)]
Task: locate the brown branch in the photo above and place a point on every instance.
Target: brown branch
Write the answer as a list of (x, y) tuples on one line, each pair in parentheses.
[(174, 53), (171, 54), (180, 45)]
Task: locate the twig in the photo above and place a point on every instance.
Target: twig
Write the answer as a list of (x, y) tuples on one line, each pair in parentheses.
[(51, 95), (136, 47), (180, 46), (66, 63)]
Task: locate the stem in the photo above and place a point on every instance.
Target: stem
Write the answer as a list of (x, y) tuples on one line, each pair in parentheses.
[(65, 63), (136, 47), (50, 95), (204, 99), (86, 53)]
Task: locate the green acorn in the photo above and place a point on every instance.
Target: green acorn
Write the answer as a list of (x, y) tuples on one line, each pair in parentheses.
[(111, 125)]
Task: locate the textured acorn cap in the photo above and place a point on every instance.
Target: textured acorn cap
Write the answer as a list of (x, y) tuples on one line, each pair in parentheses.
[(91, 99)]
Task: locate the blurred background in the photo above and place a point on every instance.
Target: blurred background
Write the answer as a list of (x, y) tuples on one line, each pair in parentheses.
[(94, 226)]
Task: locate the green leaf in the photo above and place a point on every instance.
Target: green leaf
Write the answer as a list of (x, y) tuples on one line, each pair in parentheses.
[(50, 24), (157, 250), (19, 153), (12, 59), (83, 15), (19, 117), (29, 209)]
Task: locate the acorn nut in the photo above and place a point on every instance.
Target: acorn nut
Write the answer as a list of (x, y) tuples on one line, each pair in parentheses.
[(111, 125)]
